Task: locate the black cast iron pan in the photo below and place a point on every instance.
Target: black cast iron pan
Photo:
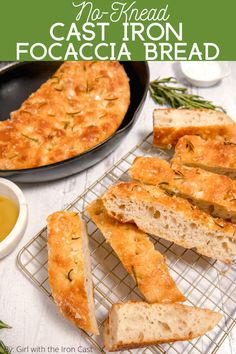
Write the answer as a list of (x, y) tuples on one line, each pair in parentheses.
[(19, 80)]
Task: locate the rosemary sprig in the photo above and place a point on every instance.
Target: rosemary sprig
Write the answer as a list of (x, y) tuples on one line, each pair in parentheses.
[(165, 92), (3, 348), (4, 325)]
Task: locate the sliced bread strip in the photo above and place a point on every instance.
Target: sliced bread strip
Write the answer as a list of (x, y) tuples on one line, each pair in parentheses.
[(171, 124), (211, 155), (213, 193), (138, 324), (171, 218), (138, 255), (69, 269)]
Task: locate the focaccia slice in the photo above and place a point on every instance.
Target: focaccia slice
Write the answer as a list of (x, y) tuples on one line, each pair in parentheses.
[(170, 124), (69, 269), (172, 218), (137, 324), (138, 255), (210, 155), (211, 192)]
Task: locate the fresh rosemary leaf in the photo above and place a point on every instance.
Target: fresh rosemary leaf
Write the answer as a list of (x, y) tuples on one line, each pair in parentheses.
[(218, 224), (69, 275), (4, 325), (30, 138), (3, 348), (189, 145), (73, 113), (163, 184), (179, 174), (165, 92), (111, 99)]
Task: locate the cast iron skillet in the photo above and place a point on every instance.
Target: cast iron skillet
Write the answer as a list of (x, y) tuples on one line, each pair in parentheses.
[(19, 80)]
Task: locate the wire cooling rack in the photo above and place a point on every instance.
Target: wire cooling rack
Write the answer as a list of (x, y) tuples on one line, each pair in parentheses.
[(205, 282)]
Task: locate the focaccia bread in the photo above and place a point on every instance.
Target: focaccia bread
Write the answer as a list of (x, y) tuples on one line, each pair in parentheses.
[(170, 124), (211, 192), (80, 106), (138, 255), (137, 324), (172, 218), (211, 155), (69, 269)]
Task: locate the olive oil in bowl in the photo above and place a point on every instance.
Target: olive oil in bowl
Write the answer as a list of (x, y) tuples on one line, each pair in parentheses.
[(8, 216)]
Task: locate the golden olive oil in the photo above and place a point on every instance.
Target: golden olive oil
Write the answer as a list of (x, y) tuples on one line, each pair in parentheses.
[(8, 216)]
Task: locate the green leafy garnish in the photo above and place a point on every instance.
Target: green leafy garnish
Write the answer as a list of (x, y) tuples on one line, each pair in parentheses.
[(165, 92), (4, 325), (3, 348)]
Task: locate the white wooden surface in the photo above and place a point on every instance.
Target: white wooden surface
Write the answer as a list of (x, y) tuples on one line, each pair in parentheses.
[(34, 318)]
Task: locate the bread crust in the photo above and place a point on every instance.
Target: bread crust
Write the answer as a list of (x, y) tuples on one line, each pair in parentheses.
[(141, 344), (80, 106), (138, 255), (167, 135), (138, 191), (120, 201), (211, 192), (66, 269), (211, 155)]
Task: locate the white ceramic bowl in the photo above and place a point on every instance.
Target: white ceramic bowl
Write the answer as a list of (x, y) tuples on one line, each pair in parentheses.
[(204, 74), (11, 191)]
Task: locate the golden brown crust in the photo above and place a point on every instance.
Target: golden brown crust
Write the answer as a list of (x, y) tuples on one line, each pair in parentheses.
[(151, 170), (81, 105), (138, 255), (170, 125), (212, 155), (66, 269), (209, 191), (165, 137), (152, 194)]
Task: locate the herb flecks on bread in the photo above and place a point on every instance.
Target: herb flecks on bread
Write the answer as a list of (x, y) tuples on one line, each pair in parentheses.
[(138, 255), (69, 269)]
